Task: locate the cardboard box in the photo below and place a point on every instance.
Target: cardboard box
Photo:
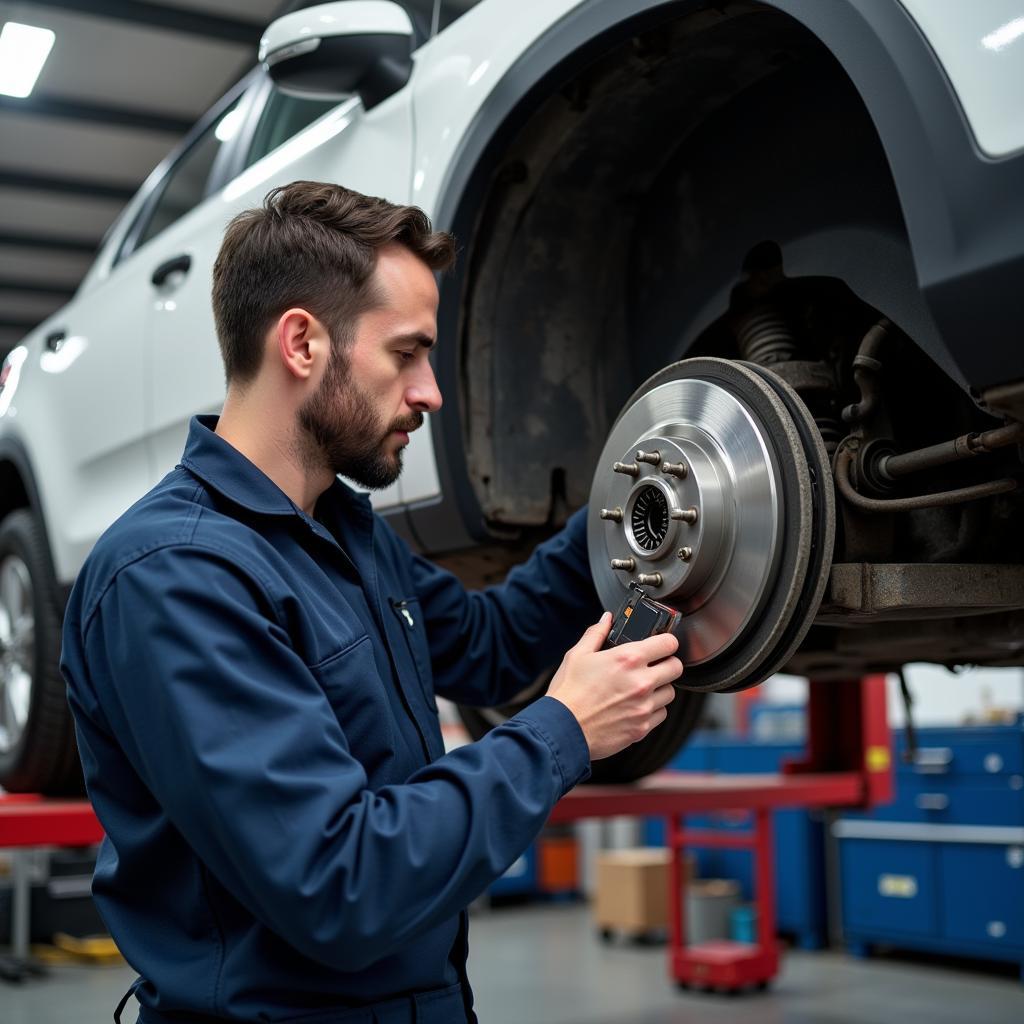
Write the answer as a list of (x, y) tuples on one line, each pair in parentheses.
[(631, 892)]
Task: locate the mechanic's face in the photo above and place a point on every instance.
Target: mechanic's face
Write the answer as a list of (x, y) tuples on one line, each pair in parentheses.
[(375, 391)]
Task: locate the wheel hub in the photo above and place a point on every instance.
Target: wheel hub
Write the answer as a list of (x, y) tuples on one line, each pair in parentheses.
[(700, 493), (648, 520)]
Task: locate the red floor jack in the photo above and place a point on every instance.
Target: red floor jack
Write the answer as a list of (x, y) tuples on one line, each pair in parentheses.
[(30, 821), (847, 764)]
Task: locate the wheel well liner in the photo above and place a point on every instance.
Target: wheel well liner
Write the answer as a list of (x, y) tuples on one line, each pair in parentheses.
[(914, 112)]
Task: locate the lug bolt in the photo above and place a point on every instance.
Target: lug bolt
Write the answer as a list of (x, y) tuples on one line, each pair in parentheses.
[(614, 514), (685, 554), (685, 515), (625, 564), (653, 458), (676, 469), (649, 579), (629, 468)]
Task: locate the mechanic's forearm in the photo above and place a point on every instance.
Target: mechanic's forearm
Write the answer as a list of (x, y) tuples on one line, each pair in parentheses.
[(510, 633)]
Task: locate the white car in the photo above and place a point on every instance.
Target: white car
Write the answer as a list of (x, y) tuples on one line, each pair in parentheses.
[(821, 204)]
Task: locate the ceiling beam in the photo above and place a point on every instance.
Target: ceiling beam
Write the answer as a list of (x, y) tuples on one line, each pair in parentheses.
[(66, 186), (53, 243), (57, 291), (96, 113), (20, 323), (174, 19)]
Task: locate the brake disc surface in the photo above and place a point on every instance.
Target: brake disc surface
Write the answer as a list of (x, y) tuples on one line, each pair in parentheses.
[(712, 492)]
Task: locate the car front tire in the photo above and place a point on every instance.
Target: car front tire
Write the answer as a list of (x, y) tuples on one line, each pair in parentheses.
[(38, 753)]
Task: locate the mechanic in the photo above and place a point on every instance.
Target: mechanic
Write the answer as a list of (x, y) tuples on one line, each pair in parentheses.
[(252, 657)]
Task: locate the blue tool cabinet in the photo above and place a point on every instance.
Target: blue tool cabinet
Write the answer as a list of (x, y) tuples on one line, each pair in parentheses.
[(799, 836), (521, 877), (942, 867)]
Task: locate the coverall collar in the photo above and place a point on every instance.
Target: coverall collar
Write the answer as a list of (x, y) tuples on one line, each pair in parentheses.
[(226, 470)]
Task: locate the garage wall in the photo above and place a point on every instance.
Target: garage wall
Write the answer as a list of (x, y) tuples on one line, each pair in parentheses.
[(941, 697)]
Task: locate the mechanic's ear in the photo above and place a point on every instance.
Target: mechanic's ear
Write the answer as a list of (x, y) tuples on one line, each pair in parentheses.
[(301, 342)]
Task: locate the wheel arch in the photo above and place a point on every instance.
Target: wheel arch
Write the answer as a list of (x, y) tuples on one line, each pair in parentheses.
[(18, 490), (933, 162)]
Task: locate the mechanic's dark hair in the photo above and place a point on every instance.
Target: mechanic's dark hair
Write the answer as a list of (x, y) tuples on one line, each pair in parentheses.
[(313, 245)]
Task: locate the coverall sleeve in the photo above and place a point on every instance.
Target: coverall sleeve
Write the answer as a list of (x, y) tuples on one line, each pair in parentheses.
[(237, 741), (487, 645)]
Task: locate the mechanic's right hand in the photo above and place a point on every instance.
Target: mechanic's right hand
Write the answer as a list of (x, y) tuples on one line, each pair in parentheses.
[(619, 695)]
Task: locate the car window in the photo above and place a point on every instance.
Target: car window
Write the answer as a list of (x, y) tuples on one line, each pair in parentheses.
[(431, 16), (284, 116), (452, 10), (185, 184), (421, 14)]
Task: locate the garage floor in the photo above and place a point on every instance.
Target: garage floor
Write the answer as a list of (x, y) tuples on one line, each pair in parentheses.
[(543, 965)]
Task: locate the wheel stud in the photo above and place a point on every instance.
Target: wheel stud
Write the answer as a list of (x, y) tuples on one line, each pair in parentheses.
[(653, 458), (685, 515), (629, 468), (649, 579), (625, 564), (685, 554), (676, 469), (614, 514)]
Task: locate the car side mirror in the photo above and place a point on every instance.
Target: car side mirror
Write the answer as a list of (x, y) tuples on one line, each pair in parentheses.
[(334, 50)]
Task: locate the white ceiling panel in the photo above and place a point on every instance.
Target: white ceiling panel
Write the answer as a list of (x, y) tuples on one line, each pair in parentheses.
[(46, 213), (43, 266), (29, 307), (98, 60), (246, 10), (55, 146)]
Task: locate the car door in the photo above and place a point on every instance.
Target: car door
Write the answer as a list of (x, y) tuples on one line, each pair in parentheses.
[(283, 139), (92, 422)]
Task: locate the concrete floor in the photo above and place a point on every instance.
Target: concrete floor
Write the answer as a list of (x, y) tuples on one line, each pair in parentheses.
[(543, 965)]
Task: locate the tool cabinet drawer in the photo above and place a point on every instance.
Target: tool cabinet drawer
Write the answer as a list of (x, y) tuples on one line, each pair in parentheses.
[(964, 752), (950, 802), (983, 893), (888, 886)]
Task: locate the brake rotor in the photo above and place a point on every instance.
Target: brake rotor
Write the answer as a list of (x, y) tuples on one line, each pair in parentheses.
[(714, 492)]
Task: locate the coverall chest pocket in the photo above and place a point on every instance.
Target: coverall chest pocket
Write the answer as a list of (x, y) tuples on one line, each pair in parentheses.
[(356, 693), (408, 613)]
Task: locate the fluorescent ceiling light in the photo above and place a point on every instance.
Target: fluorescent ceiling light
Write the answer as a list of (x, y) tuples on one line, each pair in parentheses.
[(23, 52)]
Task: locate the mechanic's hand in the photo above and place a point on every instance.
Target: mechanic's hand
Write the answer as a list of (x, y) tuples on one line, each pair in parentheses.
[(618, 696)]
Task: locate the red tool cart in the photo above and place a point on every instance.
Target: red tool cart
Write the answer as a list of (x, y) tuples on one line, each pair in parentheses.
[(847, 764)]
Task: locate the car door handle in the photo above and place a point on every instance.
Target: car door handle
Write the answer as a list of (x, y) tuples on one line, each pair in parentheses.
[(180, 263), (55, 341)]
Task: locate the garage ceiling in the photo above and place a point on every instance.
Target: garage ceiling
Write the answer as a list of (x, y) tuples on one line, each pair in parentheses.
[(124, 81)]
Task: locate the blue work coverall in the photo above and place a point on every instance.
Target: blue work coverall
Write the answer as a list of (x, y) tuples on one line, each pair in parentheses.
[(254, 695)]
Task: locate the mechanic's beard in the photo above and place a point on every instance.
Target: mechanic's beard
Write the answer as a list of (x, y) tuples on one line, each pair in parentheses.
[(342, 432)]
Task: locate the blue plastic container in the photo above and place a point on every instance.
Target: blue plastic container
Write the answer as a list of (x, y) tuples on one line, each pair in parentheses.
[(743, 924)]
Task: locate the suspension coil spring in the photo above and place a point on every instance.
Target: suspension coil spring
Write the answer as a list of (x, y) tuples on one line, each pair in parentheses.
[(831, 430), (764, 337)]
